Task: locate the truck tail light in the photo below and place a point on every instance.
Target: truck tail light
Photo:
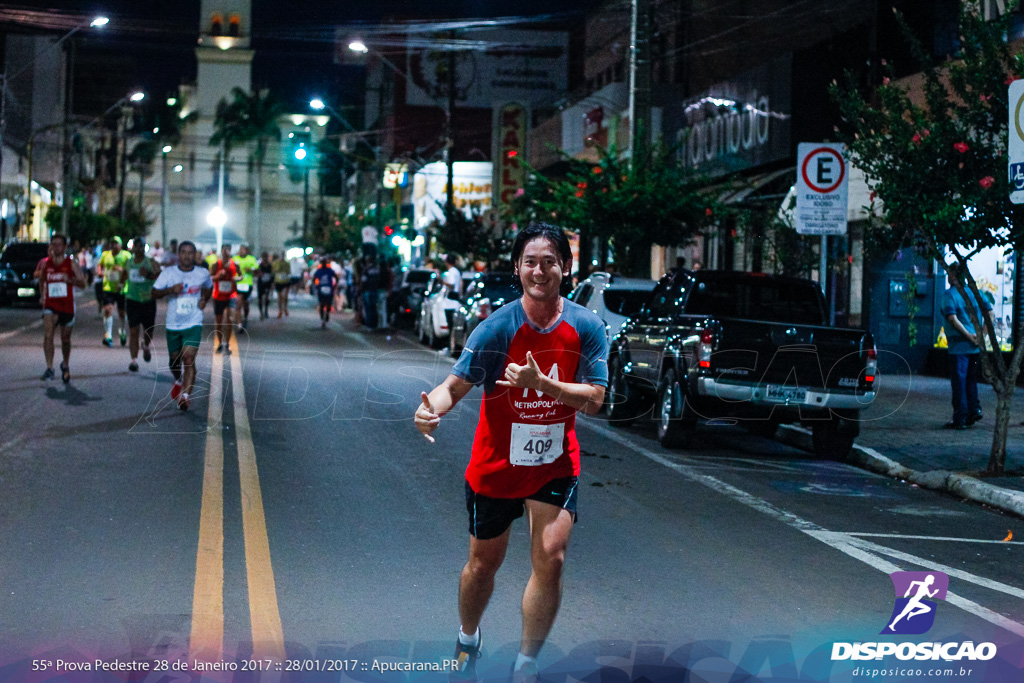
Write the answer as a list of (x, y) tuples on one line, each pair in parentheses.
[(707, 340), (871, 367)]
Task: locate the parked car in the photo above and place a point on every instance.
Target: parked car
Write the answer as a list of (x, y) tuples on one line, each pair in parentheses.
[(749, 347), (485, 293), (405, 301), (18, 263), (613, 298), (439, 304)]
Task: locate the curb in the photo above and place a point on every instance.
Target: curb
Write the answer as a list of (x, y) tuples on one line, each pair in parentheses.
[(961, 485)]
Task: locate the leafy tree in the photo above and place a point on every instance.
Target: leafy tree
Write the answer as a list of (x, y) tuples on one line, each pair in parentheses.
[(469, 237), (939, 169), (631, 205), (250, 117), (86, 227)]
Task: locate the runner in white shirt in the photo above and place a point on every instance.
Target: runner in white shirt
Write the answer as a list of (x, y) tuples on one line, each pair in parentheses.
[(188, 288)]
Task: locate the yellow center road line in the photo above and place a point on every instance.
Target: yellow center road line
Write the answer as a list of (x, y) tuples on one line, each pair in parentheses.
[(207, 640), (265, 616)]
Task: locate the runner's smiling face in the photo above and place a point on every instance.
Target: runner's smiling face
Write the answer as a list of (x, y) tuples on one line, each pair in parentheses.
[(540, 269)]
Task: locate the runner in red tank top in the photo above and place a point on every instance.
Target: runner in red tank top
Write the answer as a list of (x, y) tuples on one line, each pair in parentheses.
[(58, 275)]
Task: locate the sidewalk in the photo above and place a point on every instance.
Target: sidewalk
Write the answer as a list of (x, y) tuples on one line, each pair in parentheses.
[(902, 436)]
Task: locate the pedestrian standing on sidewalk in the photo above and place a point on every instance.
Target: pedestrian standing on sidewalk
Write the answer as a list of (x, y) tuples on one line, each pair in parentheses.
[(540, 359), (964, 350)]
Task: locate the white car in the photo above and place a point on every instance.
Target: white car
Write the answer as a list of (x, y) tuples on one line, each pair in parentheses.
[(439, 305), (615, 299)]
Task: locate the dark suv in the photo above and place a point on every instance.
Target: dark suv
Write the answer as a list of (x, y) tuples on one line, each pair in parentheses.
[(18, 263)]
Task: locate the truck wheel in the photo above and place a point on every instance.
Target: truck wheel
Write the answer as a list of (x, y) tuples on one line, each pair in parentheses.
[(619, 403), (676, 423), (833, 439)]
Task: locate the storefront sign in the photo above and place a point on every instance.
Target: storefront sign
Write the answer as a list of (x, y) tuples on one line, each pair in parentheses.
[(511, 153), (738, 124)]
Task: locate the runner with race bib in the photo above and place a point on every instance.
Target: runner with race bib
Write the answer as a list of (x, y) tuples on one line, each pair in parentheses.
[(540, 359), (187, 289), (247, 265), (58, 275), (225, 297), (325, 282)]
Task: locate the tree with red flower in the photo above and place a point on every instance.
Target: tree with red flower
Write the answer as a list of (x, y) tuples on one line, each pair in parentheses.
[(925, 189)]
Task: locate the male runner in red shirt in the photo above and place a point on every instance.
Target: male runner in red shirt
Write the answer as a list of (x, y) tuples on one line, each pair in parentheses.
[(225, 276), (540, 359), (58, 275)]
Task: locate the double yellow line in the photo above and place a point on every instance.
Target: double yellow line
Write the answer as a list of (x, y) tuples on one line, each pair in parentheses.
[(207, 640)]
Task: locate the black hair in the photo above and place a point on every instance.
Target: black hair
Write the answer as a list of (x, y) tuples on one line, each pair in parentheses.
[(59, 236), (184, 243), (552, 233)]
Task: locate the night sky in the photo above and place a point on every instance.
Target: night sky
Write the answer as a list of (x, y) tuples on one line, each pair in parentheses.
[(150, 45)]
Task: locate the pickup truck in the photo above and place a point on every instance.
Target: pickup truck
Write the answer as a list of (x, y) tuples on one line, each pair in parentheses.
[(743, 348)]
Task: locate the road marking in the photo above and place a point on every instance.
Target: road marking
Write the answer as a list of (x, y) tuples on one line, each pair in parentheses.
[(920, 561), (24, 328), (265, 616), (207, 641), (845, 543), (933, 538)]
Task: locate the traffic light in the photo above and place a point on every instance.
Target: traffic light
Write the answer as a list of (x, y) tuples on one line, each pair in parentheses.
[(388, 230), (300, 148)]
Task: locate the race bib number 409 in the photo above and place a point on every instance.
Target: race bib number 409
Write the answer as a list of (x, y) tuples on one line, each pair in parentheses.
[(536, 444)]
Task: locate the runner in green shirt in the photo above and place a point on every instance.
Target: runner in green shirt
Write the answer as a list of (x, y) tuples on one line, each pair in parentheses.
[(139, 303), (247, 265), (112, 266)]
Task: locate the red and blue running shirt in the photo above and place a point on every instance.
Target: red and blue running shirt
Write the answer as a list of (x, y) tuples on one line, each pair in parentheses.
[(525, 439)]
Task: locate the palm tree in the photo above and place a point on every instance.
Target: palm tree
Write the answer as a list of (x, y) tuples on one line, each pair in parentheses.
[(249, 117)]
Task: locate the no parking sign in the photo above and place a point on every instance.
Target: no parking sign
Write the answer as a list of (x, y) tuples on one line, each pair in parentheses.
[(821, 189)]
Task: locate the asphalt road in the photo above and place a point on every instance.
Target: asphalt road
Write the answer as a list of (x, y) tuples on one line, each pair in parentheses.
[(295, 515)]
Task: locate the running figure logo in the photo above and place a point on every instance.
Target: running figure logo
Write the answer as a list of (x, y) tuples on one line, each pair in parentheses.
[(914, 613)]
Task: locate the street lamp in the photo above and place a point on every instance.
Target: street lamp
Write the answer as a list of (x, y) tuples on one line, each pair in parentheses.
[(163, 194), (135, 98), (449, 128), (300, 156)]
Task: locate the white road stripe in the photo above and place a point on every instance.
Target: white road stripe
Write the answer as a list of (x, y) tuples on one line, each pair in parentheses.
[(851, 546), (24, 328), (931, 564), (933, 538)]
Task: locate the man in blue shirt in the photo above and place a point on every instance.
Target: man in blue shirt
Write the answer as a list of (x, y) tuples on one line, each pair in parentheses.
[(964, 351)]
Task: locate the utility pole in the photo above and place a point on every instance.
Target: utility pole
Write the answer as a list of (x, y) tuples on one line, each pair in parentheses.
[(640, 79), (123, 129), (449, 137), (65, 214), (163, 201)]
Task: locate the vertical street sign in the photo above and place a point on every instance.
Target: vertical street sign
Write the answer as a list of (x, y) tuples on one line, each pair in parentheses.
[(1016, 145), (821, 189)]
